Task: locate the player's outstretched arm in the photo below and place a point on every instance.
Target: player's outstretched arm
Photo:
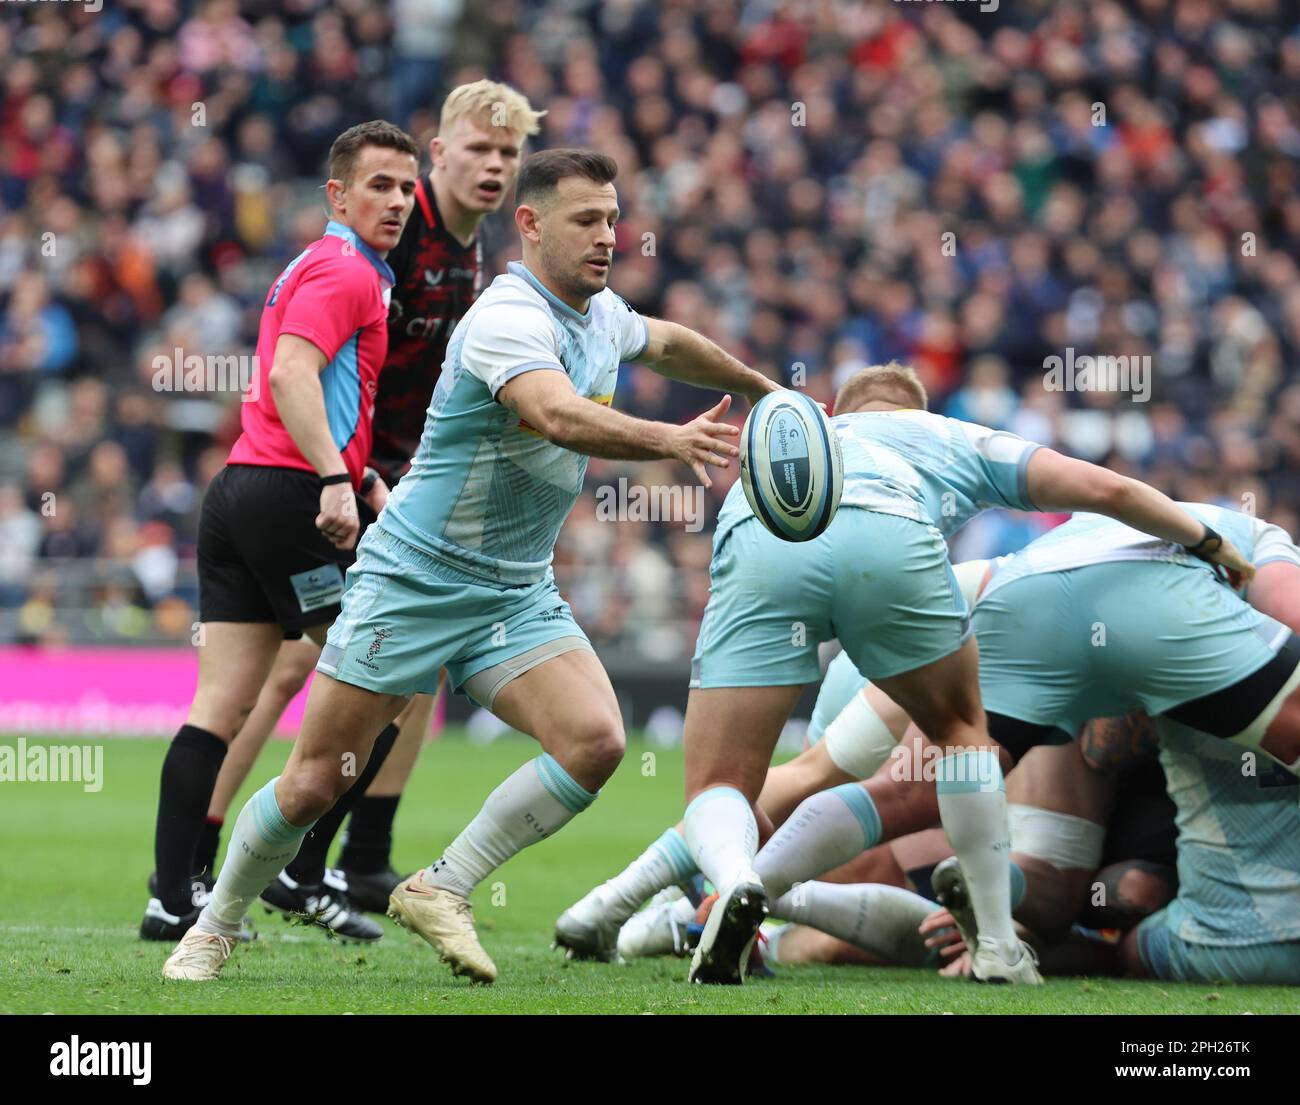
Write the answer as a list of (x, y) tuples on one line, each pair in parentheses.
[(1058, 482), (680, 353), (547, 402)]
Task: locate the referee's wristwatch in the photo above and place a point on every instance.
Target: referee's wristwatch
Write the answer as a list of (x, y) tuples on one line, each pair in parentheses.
[(368, 482)]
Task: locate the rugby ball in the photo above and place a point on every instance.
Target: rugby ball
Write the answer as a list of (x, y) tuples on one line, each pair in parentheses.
[(790, 465)]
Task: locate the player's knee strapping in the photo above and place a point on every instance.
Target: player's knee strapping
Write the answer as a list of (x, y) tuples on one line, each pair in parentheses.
[(858, 740)]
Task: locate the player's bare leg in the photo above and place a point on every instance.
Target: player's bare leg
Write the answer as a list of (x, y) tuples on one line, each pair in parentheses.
[(338, 731), (729, 737), (365, 858), (568, 706), (293, 664)]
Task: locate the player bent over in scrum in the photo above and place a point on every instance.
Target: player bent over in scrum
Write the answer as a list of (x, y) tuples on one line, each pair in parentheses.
[(879, 579), (1179, 643), (456, 573), (854, 729)]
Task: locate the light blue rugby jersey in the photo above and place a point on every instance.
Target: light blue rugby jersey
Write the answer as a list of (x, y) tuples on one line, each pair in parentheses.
[(918, 465), (486, 492), (1238, 840), (1088, 539)]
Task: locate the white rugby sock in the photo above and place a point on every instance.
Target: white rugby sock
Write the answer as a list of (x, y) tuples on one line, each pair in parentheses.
[(973, 808), (665, 863), (826, 830), (878, 919), (261, 846), (722, 836), (535, 802)]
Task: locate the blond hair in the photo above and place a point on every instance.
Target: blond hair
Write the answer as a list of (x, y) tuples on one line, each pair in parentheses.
[(502, 105), (890, 383)]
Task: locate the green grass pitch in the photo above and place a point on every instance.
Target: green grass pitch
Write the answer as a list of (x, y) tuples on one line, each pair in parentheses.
[(72, 890)]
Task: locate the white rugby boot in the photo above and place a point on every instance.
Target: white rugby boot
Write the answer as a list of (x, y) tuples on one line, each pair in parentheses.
[(659, 929), (199, 957), (992, 962)]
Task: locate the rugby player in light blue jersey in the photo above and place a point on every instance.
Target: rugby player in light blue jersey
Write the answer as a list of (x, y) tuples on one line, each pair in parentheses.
[(457, 570), (1138, 625), (880, 580)]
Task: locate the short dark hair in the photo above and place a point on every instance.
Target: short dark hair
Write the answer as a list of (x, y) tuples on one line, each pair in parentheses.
[(377, 132), (544, 170)]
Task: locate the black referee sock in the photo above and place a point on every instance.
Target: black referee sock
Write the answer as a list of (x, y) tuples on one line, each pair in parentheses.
[(189, 774), (368, 843), (205, 852), (308, 866)]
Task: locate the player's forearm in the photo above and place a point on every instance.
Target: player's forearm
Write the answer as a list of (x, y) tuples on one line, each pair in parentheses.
[(1057, 482), (1143, 507), (300, 403), (596, 430), (684, 355)]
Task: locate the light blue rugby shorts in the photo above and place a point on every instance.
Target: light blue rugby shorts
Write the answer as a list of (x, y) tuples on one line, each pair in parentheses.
[(1169, 956), (880, 583), (406, 614), (1061, 648)]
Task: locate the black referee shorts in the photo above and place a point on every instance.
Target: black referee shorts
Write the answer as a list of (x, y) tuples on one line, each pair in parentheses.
[(261, 557)]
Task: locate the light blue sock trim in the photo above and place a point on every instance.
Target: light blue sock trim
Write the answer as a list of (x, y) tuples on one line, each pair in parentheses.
[(1017, 886), (269, 822), (560, 784), (864, 809), (970, 772), (672, 845), (714, 793)]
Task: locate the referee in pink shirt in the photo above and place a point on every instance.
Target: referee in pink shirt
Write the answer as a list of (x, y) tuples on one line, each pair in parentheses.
[(280, 522)]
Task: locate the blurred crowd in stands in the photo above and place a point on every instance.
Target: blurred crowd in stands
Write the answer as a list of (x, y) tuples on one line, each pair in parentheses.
[(816, 185)]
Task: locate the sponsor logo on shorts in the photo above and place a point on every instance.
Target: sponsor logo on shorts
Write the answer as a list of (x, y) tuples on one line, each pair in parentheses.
[(381, 635)]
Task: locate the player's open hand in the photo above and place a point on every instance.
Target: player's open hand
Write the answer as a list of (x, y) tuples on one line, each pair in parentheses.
[(706, 441), (338, 519), (940, 931)]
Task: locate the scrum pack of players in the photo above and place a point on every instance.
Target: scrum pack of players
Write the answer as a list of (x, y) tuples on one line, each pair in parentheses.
[(1100, 649), (464, 546)]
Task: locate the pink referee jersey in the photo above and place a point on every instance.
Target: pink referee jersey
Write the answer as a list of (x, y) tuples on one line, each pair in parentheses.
[(335, 295)]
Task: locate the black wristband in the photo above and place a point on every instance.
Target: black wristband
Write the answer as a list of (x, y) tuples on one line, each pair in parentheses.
[(1211, 542), (339, 477), (368, 481)]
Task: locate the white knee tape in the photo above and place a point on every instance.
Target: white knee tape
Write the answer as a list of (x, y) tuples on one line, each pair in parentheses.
[(968, 574), (1061, 839), (857, 740)]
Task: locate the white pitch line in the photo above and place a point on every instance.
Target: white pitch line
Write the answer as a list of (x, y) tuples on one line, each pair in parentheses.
[(73, 930)]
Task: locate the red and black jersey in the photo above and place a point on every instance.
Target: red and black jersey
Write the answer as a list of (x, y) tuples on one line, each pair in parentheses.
[(437, 281)]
